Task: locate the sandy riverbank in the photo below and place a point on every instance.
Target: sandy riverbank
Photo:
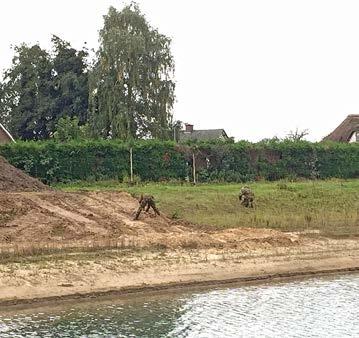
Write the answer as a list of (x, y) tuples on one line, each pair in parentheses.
[(58, 245), (114, 273)]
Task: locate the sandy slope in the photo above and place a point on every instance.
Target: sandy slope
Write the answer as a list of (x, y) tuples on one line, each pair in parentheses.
[(154, 252), (59, 219), (113, 275)]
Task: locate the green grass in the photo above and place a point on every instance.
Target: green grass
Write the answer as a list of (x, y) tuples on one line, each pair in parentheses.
[(329, 206)]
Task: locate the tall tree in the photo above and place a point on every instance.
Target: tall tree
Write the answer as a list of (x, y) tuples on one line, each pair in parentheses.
[(132, 87), (40, 88), (70, 81), (26, 104), (4, 109)]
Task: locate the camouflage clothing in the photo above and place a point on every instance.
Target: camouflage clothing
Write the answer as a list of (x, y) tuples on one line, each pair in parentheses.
[(246, 197), (146, 202)]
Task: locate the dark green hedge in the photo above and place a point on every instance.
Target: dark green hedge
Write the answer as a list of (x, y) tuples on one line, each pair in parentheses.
[(96, 160), (310, 160), (155, 160)]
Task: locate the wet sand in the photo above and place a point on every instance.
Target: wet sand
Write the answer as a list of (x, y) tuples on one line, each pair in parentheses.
[(116, 274)]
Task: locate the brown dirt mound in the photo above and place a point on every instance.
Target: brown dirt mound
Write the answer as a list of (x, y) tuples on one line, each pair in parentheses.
[(13, 179), (59, 220)]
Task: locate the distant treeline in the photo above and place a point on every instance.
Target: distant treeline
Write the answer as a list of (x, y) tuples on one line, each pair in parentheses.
[(54, 162)]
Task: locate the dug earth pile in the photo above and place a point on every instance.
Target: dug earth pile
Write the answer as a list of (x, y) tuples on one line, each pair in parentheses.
[(13, 179), (35, 217), (56, 220)]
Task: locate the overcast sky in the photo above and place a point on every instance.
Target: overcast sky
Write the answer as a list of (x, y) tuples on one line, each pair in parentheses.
[(256, 68)]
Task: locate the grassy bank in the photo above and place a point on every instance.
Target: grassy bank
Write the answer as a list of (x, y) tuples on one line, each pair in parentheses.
[(332, 207)]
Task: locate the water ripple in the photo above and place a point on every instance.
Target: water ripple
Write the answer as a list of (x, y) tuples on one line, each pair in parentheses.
[(320, 307)]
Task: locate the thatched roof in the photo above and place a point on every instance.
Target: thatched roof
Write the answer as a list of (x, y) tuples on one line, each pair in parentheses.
[(345, 131)]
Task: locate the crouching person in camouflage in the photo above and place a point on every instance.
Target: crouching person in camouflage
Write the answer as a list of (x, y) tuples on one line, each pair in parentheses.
[(246, 197), (146, 202)]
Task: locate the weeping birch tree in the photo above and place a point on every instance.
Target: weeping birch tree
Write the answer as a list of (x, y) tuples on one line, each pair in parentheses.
[(132, 86)]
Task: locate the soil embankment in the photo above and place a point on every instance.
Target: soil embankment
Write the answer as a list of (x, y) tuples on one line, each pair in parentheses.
[(112, 274), (89, 244), (13, 179), (112, 254), (57, 220), (33, 217)]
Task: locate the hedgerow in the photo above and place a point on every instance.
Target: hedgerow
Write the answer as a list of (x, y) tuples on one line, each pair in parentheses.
[(95, 160), (53, 161)]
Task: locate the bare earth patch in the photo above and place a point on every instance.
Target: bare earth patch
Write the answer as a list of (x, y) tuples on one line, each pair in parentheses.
[(13, 179), (58, 219), (128, 256)]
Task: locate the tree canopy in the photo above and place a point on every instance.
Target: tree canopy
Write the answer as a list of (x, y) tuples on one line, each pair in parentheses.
[(71, 81), (27, 91), (41, 87), (132, 87), (126, 93)]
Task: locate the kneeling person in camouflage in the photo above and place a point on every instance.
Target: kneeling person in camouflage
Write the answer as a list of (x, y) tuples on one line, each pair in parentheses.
[(146, 202), (246, 197)]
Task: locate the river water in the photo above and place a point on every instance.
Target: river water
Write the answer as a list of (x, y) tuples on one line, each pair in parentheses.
[(316, 307)]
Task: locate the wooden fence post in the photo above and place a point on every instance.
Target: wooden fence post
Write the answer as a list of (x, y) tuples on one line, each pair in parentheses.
[(131, 166), (194, 168)]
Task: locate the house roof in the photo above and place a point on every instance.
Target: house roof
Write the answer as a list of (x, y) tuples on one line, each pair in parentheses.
[(203, 135), (6, 133), (345, 130)]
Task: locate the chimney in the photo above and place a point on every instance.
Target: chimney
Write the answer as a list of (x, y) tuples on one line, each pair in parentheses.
[(189, 128)]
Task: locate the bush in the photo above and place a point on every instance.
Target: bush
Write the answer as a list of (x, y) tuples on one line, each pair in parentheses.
[(68, 129)]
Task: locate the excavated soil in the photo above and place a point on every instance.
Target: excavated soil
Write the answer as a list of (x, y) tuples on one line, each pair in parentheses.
[(33, 216), (13, 179), (58, 220), (37, 219)]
